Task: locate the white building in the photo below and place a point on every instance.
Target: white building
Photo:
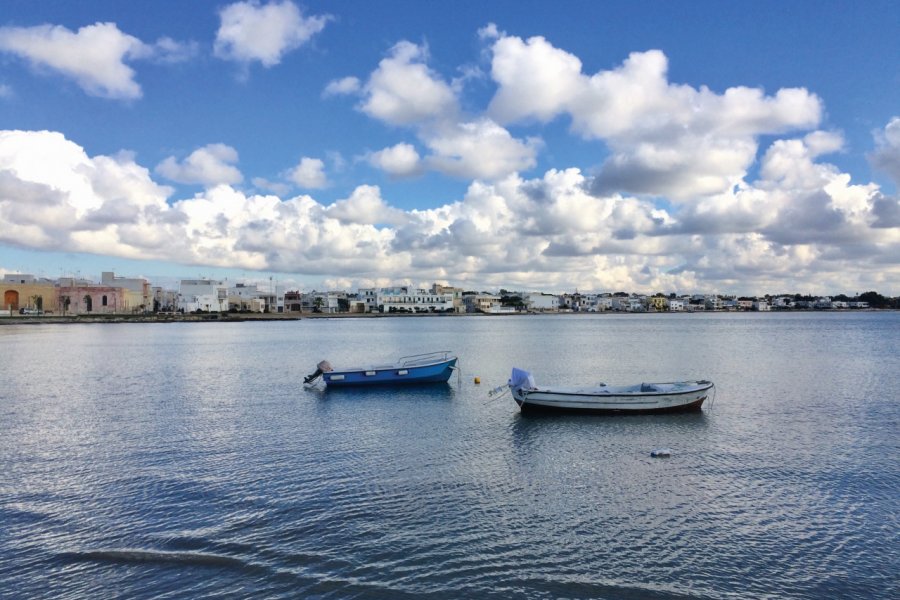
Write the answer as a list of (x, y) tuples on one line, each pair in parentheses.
[(369, 297), (761, 306), (202, 294), (20, 278), (628, 304), (783, 302), (256, 299), (541, 302), (823, 302), (676, 305), (409, 299), (138, 296), (485, 303), (712, 302), (603, 303)]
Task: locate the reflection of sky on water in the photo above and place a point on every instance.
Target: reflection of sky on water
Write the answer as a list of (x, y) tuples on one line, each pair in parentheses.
[(200, 438)]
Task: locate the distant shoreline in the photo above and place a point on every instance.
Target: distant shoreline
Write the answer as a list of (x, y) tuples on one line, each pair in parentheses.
[(262, 317)]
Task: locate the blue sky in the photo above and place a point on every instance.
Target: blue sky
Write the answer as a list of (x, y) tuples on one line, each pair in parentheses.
[(647, 146)]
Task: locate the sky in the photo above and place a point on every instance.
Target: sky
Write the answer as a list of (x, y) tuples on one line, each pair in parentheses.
[(687, 147)]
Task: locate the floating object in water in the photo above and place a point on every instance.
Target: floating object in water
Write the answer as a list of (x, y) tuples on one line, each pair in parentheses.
[(433, 367), (661, 453), (478, 380), (672, 396)]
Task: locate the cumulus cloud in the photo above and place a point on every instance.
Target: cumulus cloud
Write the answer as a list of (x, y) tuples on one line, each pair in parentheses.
[(210, 165), (276, 187), (169, 51), (478, 149), (400, 160), (251, 32), (403, 90), (53, 196), (886, 211), (665, 138), (309, 174), (886, 156), (94, 57), (535, 80), (365, 206), (341, 87), (802, 224)]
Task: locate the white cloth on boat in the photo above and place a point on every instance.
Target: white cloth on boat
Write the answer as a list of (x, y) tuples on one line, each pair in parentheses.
[(521, 379)]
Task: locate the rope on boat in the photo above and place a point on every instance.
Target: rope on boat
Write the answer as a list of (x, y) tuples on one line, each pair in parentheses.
[(713, 399), (499, 391), (458, 370)]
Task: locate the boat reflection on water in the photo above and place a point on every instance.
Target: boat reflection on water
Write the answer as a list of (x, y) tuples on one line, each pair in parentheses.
[(408, 392), (636, 435)]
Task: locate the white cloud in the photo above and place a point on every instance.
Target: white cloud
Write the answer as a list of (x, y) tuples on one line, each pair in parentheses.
[(802, 225), (94, 56), (886, 156), (341, 87), (210, 165), (54, 197), (309, 173), (5, 91), (535, 80), (666, 139), (366, 207), (251, 32), (277, 188), (489, 32), (168, 51), (478, 149), (400, 160), (404, 91)]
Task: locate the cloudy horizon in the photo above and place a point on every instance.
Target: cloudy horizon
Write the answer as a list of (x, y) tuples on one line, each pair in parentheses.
[(511, 161)]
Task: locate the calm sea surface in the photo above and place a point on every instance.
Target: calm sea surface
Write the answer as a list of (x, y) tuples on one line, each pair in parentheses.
[(187, 461)]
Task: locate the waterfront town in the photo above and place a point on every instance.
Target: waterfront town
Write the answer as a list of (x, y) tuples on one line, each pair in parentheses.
[(27, 295)]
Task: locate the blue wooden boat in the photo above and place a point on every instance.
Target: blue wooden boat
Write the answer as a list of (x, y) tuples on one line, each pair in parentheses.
[(432, 367)]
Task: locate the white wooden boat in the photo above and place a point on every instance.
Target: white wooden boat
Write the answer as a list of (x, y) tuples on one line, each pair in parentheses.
[(672, 396)]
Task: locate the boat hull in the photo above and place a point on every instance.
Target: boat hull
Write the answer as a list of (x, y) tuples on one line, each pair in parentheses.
[(566, 401), (438, 372)]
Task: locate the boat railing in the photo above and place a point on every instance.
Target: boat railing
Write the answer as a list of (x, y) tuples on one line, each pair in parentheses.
[(426, 358)]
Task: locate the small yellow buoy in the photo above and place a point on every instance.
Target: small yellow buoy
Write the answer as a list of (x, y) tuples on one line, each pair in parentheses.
[(478, 380)]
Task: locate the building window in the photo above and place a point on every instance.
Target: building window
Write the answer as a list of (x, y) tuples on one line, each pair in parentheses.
[(103, 301)]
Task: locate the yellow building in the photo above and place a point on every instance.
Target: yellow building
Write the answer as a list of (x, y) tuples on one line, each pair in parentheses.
[(24, 291), (658, 303)]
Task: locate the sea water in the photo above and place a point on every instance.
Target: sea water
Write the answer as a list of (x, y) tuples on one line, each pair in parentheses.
[(186, 460)]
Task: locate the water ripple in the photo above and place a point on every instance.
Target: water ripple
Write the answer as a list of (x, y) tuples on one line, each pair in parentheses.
[(193, 465)]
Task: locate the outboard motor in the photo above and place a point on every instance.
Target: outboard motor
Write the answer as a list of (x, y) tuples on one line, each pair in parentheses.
[(323, 367)]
